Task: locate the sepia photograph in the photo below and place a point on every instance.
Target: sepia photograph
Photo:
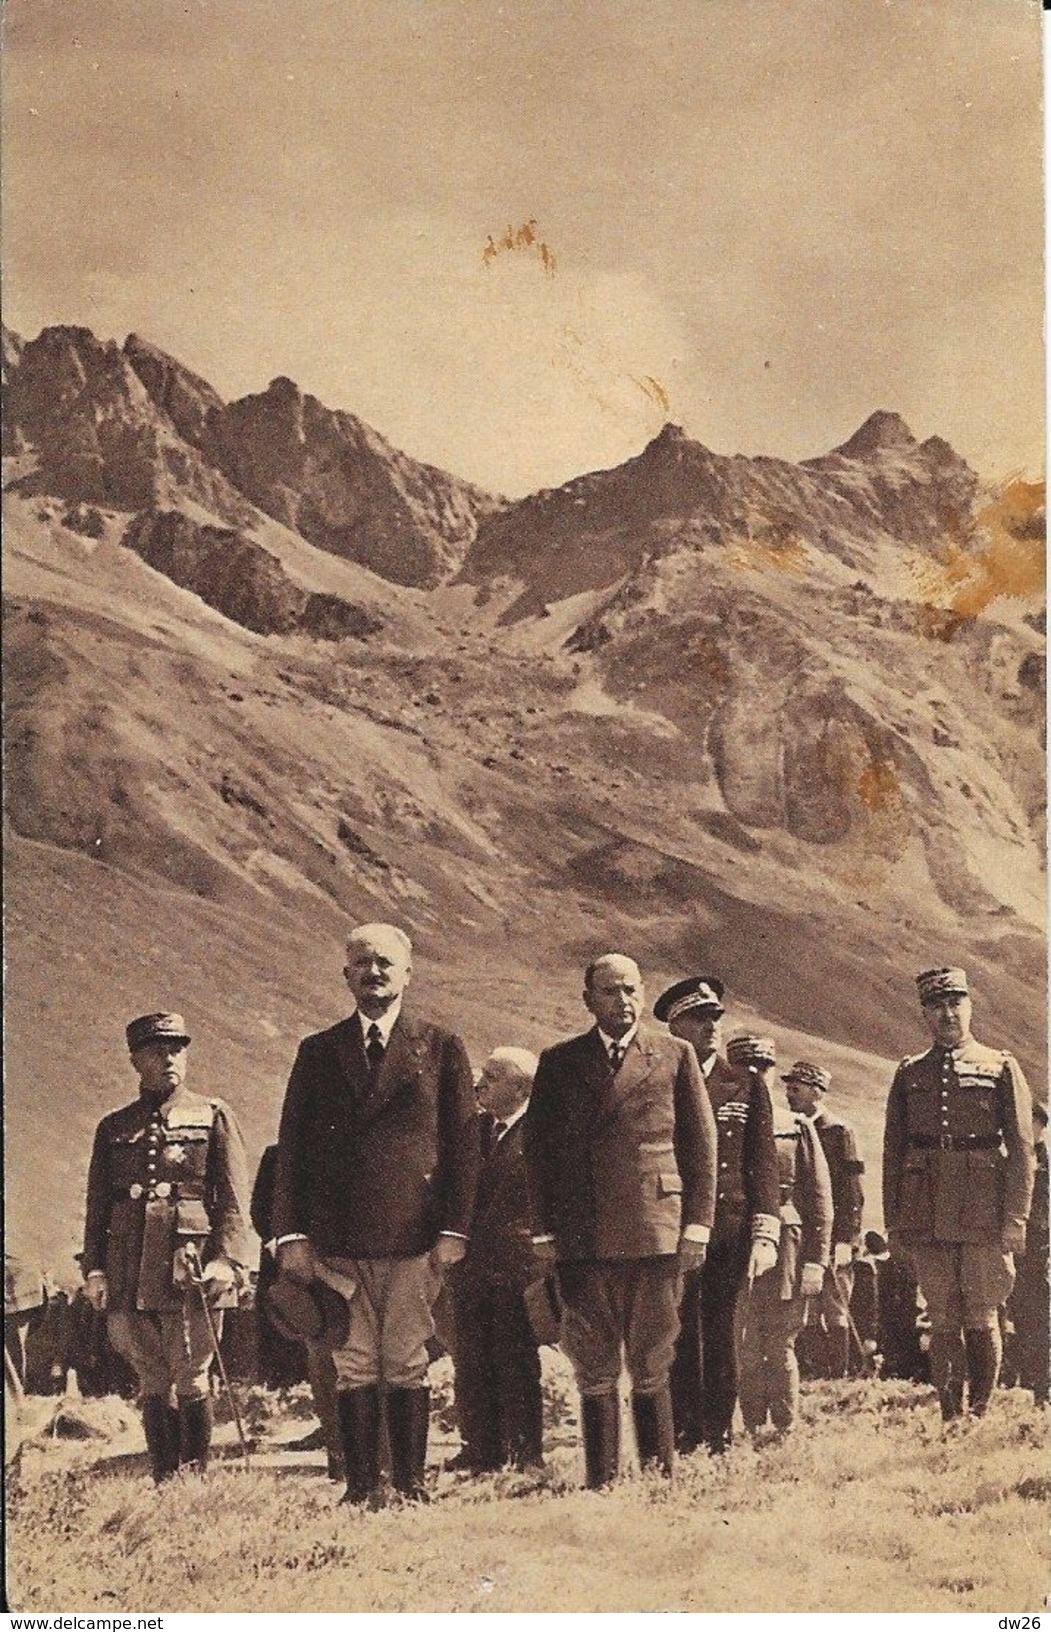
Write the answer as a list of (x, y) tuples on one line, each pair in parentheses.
[(524, 776)]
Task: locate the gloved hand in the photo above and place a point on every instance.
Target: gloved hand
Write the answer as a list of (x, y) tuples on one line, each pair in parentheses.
[(448, 1249), (842, 1256), (218, 1277), (96, 1288), (813, 1279), (296, 1259), (1012, 1237), (691, 1254), (762, 1257)]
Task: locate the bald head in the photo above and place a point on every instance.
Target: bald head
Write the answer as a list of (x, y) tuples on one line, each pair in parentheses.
[(614, 993), (506, 1081)]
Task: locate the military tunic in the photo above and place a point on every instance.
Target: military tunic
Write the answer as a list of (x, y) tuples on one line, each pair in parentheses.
[(704, 1374), (848, 1200), (958, 1165), (771, 1316), (164, 1174)]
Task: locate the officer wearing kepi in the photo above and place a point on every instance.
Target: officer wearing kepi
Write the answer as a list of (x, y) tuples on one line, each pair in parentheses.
[(167, 1190), (806, 1087), (958, 1165)]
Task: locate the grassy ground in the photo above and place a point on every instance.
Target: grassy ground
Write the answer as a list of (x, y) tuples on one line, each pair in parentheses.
[(871, 1506)]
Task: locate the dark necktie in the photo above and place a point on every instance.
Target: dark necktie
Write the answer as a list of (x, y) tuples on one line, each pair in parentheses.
[(499, 1129), (373, 1048), (616, 1055)]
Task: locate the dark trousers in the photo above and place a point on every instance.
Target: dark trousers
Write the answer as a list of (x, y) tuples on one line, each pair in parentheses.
[(704, 1373), (498, 1395)]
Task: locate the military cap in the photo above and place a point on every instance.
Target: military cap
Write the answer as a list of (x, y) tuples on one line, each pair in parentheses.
[(815, 1076), (151, 1028), (701, 992), (308, 1312), (747, 1049), (936, 983)]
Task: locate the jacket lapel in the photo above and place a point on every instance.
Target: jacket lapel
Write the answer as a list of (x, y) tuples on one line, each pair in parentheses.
[(636, 1066), (401, 1059)]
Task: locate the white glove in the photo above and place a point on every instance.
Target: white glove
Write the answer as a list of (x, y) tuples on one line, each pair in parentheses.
[(813, 1279), (842, 1255), (218, 1277), (762, 1258), (96, 1288)]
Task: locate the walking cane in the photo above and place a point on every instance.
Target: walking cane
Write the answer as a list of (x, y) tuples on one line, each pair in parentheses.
[(194, 1268), (866, 1359)]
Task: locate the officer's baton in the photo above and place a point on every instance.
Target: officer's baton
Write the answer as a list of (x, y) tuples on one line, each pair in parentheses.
[(866, 1359), (193, 1265), (749, 1283)]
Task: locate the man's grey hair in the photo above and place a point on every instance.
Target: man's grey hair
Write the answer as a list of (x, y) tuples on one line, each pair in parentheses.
[(589, 972), (521, 1060), (368, 932)]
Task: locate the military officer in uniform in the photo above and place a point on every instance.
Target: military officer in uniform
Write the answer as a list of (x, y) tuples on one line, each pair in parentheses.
[(747, 1220), (167, 1189), (772, 1309), (958, 1165), (620, 1151), (806, 1086)]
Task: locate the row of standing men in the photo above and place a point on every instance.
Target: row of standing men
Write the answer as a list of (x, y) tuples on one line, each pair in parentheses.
[(686, 1229)]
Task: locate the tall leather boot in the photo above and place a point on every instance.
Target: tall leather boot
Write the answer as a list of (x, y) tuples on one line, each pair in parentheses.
[(358, 1410), (654, 1430), (984, 1354), (195, 1432), (948, 1372), (408, 1419), (162, 1436), (600, 1423)]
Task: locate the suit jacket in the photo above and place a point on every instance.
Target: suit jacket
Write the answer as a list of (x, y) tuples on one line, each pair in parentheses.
[(162, 1175), (619, 1164), (845, 1169), (377, 1168), (501, 1245), (747, 1188), (958, 1157)]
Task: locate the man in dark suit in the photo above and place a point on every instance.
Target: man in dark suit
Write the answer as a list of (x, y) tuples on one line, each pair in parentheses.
[(497, 1356), (376, 1172), (747, 1220), (620, 1145)]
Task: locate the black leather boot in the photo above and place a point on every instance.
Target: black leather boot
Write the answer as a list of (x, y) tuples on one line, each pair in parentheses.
[(654, 1430), (408, 1419), (984, 1354), (948, 1372), (195, 1432), (162, 1436), (600, 1423), (358, 1410)]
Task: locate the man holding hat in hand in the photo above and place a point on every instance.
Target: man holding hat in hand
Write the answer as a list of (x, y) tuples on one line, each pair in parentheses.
[(747, 1221), (806, 1085), (167, 1190), (958, 1167)]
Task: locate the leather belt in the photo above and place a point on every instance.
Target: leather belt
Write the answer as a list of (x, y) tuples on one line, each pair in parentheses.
[(162, 1191), (954, 1141)]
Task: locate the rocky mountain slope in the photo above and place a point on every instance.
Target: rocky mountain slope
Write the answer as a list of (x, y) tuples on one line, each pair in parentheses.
[(780, 721)]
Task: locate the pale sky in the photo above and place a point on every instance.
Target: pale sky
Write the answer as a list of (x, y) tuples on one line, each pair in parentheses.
[(768, 217)]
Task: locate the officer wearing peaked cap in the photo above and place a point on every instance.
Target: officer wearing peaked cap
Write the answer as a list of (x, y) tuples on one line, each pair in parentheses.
[(806, 1086), (167, 1174), (958, 1165), (747, 1224)]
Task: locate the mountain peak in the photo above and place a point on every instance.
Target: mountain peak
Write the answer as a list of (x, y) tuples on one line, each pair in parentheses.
[(880, 432)]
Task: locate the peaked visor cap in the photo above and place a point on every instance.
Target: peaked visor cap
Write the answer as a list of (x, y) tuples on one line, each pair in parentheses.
[(747, 1049), (935, 983), (702, 992)]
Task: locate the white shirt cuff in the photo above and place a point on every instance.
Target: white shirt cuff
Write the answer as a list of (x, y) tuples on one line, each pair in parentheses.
[(766, 1227), (697, 1232), (280, 1240)]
